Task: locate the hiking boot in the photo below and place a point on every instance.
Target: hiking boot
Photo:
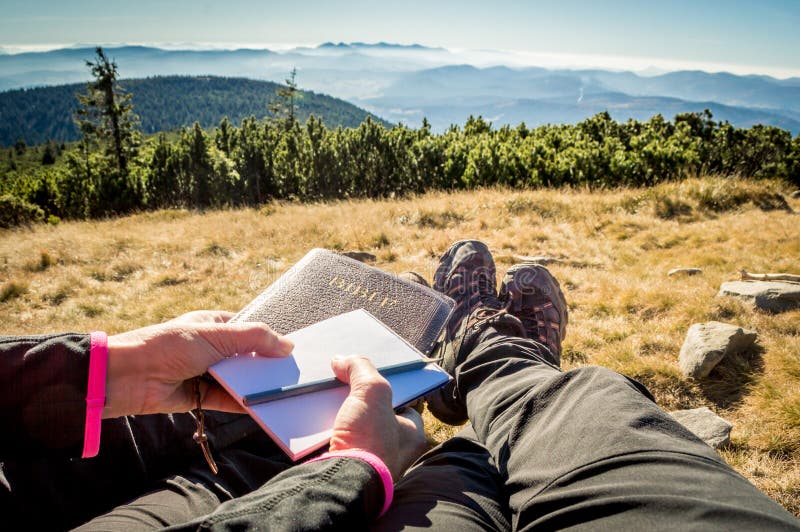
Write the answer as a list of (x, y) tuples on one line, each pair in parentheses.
[(466, 273), (532, 294)]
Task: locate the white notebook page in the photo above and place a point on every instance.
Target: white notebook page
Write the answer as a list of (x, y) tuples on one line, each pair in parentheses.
[(303, 424)]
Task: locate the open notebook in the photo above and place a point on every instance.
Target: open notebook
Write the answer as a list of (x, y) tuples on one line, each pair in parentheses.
[(302, 424)]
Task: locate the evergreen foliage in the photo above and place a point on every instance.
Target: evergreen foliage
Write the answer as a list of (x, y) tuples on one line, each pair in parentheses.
[(264, 160), (108, 127), (284, 106)]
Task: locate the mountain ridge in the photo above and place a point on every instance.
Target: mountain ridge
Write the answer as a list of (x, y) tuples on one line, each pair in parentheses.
[(163, 103), (390, 79)]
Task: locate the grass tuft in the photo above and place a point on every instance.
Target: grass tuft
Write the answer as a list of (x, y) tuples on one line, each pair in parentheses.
[(45, 261), (12, 290), (380, 241), (437, 220), (214, 249)]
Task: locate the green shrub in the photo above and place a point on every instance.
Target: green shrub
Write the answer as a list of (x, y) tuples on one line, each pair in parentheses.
[(14, 212), (264, 162)]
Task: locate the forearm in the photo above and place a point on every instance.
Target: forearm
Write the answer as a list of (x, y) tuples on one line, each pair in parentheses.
[(43, 400), (336, 493)]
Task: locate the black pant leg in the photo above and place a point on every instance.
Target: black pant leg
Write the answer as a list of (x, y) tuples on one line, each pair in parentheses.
[(454, 486), (590, 448)]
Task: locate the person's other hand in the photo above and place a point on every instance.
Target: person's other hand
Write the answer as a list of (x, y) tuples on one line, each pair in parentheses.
[(150, 370), (366, 420)]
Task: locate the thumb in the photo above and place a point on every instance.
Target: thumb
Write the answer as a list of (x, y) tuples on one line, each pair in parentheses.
[(230, 338), (360, 374)]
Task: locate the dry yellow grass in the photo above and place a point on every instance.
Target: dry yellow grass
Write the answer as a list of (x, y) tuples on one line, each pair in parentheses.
[(616, 247)]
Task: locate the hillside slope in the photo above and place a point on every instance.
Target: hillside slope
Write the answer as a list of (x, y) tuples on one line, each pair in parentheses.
[(613, 251), (163, 103)]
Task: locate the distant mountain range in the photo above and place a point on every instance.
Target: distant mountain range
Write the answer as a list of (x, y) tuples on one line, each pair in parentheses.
[(163, 104), (404, 83)]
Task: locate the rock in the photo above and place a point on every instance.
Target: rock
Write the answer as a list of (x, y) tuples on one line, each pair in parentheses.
[(539, 259), (684, 271), (706, 425), (362, 256), (772, 296), (414, 277), (707, 344)]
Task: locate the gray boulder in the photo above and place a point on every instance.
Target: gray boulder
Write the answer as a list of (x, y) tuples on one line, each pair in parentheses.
[(772, 296), (707, 344), (684, 271), (706, 425), (538, 259)]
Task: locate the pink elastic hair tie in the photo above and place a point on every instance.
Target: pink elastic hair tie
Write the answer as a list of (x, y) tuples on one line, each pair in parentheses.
[(95, 393), (376, 463)]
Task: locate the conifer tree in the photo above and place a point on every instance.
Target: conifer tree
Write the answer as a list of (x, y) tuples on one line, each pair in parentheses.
[(106, 114), (284, 105), (106, 120)]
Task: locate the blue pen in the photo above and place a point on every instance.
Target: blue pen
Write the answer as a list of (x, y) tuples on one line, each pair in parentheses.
[(294, 390)]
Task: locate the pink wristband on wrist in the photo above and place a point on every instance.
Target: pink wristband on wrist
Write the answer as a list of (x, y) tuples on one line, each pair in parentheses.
[(95, 393), (376, 463)]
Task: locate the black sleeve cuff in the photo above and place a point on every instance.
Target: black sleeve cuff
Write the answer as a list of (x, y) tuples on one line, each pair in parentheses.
[(338, 493), (43, 403)]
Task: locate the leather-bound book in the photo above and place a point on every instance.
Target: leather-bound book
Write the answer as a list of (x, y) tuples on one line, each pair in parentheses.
[(325, 284)]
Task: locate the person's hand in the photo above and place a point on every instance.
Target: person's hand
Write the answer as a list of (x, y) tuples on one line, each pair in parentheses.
[(366, 420), (150, 370)]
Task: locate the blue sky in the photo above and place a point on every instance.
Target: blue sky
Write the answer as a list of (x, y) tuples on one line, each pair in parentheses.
[(758, 36)]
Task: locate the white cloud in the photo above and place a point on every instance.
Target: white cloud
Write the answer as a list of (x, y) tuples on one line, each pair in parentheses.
[(478, 58), (644, 65)]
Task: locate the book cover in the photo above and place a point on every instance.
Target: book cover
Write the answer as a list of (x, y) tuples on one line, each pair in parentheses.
[(302, 424), (325, 284)]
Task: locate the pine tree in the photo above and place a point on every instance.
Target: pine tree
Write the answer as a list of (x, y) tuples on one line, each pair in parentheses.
[(283, 106), (48, 155), (106, 113), (107, 122)]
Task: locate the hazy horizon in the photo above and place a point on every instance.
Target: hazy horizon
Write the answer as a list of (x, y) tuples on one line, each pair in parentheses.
[(736, 36), (477, 57)]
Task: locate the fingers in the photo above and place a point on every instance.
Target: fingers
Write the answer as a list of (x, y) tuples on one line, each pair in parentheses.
[(231, 338), (216, 398), (411, 421), (361, 375), (412, 431), (204, 316), (411, 437)]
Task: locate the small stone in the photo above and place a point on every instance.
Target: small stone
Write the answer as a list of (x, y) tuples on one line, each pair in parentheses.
[(707, 344), (771, 296), (684, 271), (706, 425), (538, 259), (362, 256), (414, 277)]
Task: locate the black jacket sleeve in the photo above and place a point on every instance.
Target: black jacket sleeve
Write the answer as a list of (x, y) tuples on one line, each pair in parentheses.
[(43, 383), (337, 493)]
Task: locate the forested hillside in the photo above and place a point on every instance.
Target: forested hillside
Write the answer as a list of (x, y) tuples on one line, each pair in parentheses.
[(163, 104)]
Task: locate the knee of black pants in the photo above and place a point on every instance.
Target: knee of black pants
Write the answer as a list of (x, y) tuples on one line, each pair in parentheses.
[(600, 376), (453, 486)]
